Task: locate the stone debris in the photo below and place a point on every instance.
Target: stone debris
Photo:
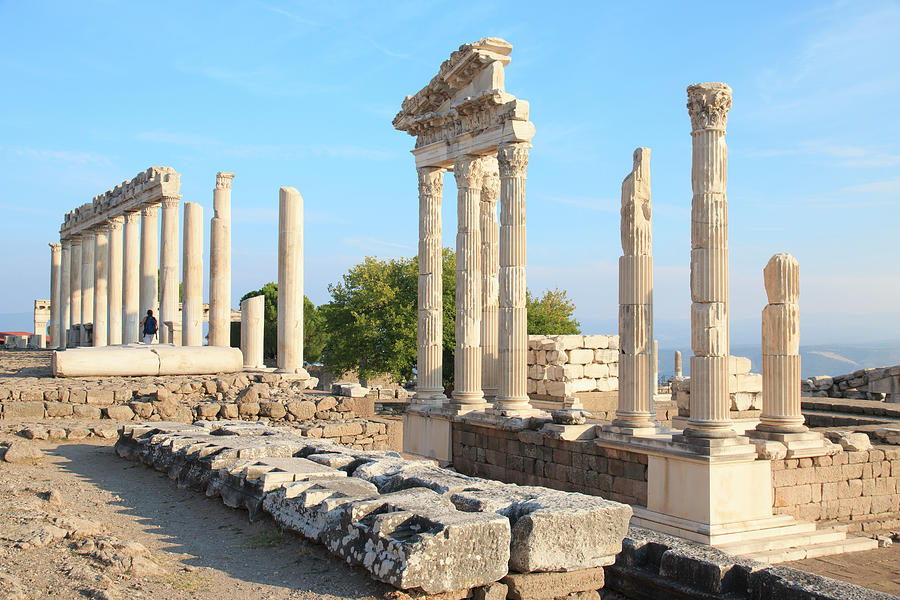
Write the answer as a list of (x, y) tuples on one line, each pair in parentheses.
[(22, 452), (408, 523), (879, 383), (849, 441)]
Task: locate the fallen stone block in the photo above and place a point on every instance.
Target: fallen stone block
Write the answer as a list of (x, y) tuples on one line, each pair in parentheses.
[(311, 507), (539, 586)]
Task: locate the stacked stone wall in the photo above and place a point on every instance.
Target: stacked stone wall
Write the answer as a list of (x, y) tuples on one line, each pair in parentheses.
[(529, 457), (744, 389), (881, 383), (861, 489), (565, 365)]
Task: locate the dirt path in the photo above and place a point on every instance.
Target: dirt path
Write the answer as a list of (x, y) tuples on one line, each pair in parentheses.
[(205, 550)]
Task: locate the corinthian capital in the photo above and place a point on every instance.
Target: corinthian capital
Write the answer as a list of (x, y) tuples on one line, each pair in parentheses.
[(490, 187), (55, 247), (469, 171), (223, 180), (150, 210), (170, 201), (431, 181), (708, 105), (115, 223), (513, 159), (133, 216)]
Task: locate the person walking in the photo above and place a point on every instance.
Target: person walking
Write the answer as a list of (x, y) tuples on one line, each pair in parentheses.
[(149, 327)]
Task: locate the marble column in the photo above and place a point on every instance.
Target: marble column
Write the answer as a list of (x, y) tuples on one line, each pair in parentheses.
[(490, 284), (430, 332), (634, 414), (55, 258), (467, 394), (290, 281), (131, 278), (253, 332), (65, 298), (512, 397), (781, 348), (88, 242), (168, 270), (101, 290), (192, 276), (220, 263), (149, 294), (708, 105), (75, 292), (678, 374), (114, 300)]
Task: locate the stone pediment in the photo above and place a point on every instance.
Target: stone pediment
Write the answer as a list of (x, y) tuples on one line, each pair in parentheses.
[(466, 105)]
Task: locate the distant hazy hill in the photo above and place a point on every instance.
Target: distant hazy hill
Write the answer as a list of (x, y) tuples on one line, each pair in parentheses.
[(826, 359)]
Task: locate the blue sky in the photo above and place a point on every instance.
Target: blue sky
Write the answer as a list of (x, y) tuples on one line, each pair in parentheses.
[(302, 94)]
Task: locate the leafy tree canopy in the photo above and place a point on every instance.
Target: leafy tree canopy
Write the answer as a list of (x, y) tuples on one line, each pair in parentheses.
[(551, 314)]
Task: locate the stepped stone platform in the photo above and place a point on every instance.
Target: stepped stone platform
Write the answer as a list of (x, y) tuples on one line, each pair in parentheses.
[(409, 523)]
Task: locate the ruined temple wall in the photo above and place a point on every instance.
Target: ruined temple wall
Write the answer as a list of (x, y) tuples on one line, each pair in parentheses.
[(568, 365), (534, 458)]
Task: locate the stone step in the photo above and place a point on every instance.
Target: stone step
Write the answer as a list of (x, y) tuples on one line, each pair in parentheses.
[(784, 540), (823, 418), (850, 544)]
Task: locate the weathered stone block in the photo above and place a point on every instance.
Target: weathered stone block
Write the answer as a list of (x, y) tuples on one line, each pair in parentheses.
[(119, 413), (23, 410), (100, 397), (58, 409), (84, 411)]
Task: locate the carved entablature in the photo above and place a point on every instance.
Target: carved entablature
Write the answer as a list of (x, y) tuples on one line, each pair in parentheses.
[(465, 108), (149, 186)]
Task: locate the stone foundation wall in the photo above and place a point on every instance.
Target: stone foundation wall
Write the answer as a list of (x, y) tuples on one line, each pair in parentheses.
[(882, 383), (534, 458), (861, 489)]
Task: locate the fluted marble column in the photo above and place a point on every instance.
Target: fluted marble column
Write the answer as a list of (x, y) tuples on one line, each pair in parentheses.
[(75, 292), (131, 278), (708, 105), (781, 348), (430, 331), (168, 270), (101, 289), (114, 298), (290, 281), (65, 286), (512, 397), (150, 262), (490, 284), (192, 276), (636, 359), (220, 263), (88, 242), (467, 393), (253, 331), (55, 257)]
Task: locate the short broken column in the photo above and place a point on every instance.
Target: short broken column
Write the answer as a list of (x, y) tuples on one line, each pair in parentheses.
[(192, 276), (168, 267), (114, 301), (490, 283), (55, 258), (65, 281), (220, 263), (253, 331), (88, 243), (131, 278), (290, 281), (101, 290), (634, 414), (678, 371)]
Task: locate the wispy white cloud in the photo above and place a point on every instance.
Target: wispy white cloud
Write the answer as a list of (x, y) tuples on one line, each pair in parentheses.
[(842, 155), (290, 15), (260, 81), (374, 244), (73, 157), (871, 194)]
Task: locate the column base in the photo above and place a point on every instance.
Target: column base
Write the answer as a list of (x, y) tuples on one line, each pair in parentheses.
[(571, 433), (428, 398), (513, 407), (733, 447), (632, 429), (798, 444), (462, 408)]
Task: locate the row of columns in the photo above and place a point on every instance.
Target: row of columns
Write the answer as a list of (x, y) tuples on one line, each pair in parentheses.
[(491, 320), (108, 277)]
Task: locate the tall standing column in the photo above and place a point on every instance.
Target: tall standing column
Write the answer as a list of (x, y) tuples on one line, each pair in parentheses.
[(253, 332), (101, 290), (149, 261), (490, 284), (290, 281), (513, 338), (114, 301), (131, 278), (88, 242), (467, 393), (55, 258), (634, 414), (192, 276), (168, 270), (75, 292), (708, 105), (430, 332), (65, 286), (220, 263), (781, 348)]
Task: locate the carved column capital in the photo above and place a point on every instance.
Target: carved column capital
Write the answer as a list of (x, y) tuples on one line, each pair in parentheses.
[(513, 159), (133, 216), (115, 223), (468, 171), (708, 105), (431, 181), (223, 180), (150, 210), (76, 239), (170, 201), (66, 243), (55, 247), (490, 186)]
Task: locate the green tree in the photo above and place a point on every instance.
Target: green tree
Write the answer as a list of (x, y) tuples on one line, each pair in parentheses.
[(314, 334), (551, 314)]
